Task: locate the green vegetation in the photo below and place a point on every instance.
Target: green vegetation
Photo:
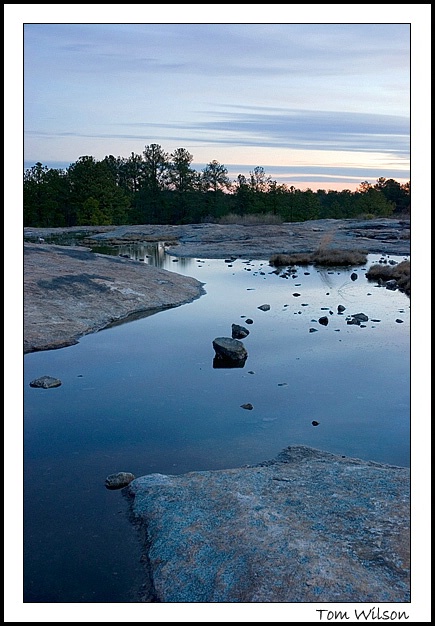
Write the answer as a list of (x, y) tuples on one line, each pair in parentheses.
[(160, 188)]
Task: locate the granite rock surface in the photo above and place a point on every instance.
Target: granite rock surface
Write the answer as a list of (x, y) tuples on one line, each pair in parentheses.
[(308, 526), (70, 291)]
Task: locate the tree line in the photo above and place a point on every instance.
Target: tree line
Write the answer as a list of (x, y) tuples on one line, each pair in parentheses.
[(156, 187)]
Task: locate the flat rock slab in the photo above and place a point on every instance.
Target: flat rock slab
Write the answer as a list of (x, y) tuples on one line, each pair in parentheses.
[(383, 235), (70, 291), (46, 382), (308, 526)]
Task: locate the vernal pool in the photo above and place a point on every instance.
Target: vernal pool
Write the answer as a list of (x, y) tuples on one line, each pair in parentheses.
[(144, 397)]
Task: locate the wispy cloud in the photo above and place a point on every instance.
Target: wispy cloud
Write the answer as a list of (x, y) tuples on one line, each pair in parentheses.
[(320, 130), (108, 88)]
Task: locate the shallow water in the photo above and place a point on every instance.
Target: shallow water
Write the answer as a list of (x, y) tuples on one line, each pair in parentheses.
[(144, 397)]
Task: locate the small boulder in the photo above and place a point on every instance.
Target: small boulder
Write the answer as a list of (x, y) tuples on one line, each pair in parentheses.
[(247, 406), (119, 480), (353, 321), (361, 317), (239, 332), (264, 307), (324, 320), (46, 382), (229, 349)]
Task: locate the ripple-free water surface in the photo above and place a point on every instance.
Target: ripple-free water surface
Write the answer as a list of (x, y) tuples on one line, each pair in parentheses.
[(144, 397)]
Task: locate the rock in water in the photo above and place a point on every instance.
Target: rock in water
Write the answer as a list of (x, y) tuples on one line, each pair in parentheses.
[(239, 332), (46, 382), (119, 480), (230, 349)]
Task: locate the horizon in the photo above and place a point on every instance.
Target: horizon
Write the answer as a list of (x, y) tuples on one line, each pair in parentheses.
[(283, 175), (279, 96)]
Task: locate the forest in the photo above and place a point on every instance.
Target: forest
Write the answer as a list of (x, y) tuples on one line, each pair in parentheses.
[(156, 187)]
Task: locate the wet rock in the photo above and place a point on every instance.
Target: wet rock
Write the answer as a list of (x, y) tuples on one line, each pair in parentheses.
[(314, 423), (399, 321), (227, 348), (264, 307), (341, 308), (362, 317), (239, 332), (391, 284), (353, 276), (248, 406), (119, 480), (324, 320), (313, 330), (46, 382), (249, 321), (296, 294)]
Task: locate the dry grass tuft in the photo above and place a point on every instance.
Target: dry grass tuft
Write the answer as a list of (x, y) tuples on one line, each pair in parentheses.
[(283, 260), (400, 272), (339, 257), (324, 255), (331, 258), (251, 220)]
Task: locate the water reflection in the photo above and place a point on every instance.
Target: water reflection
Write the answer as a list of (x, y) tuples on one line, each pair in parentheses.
[(151, 253), (143, 398), (220, 362)]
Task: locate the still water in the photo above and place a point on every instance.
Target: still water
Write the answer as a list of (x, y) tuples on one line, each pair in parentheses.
[(144, 397)]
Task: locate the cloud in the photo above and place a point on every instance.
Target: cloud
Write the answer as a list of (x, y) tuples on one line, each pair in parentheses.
[(299, 129), (271, 128), (219, 50)]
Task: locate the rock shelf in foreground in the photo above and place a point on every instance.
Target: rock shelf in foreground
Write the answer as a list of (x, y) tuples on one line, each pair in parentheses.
[(308, 526)]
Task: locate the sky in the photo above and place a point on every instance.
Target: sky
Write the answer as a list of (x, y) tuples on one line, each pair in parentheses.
[(322, 105)]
